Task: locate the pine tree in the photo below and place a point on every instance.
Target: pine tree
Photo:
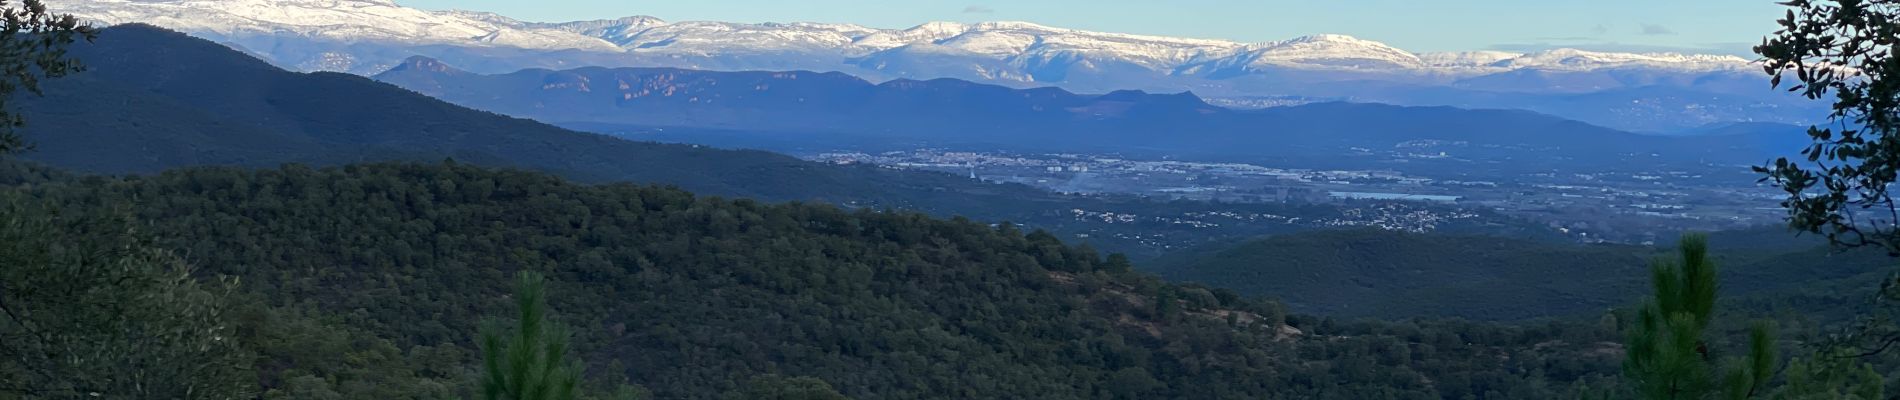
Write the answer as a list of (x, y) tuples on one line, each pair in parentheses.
[(531, 362), (1831, 375), (1669, 357)]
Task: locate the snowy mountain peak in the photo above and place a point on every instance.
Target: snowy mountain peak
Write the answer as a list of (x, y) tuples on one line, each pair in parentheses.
[(1015, 25), (483, 16), (1326, 38), (612, 30), (1326, 51), (1466, 59), (940, 27), (1581, 60)]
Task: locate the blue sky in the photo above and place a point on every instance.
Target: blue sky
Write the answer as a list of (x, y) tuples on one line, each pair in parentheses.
[(1725, 26)]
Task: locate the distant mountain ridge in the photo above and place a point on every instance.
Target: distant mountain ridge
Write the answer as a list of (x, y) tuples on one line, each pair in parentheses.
[(369, 36), (815, 108), (383, 20)]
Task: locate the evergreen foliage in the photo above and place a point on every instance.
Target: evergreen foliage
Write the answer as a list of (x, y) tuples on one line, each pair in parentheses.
[(1382, 274), (1669, 355), (530, 362), (774, 387), (90, 309), (1831, 375), (363, 281)]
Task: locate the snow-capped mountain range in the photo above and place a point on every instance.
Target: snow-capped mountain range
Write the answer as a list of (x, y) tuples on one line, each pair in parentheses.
[(1016, 42), (369, 36)]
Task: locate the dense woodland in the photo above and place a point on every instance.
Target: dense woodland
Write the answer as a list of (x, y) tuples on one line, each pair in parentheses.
[(367, 282), (1383, 274)]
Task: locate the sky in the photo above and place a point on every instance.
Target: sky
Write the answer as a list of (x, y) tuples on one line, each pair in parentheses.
[(1701, 26)]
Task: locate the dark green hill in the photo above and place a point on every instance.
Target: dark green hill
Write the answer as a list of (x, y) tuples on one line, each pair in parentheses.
[(367, 281), (1395, 275)]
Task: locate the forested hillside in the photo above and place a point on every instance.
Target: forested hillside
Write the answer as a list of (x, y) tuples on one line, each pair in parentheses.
[(1370, 273), (367, 281)]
